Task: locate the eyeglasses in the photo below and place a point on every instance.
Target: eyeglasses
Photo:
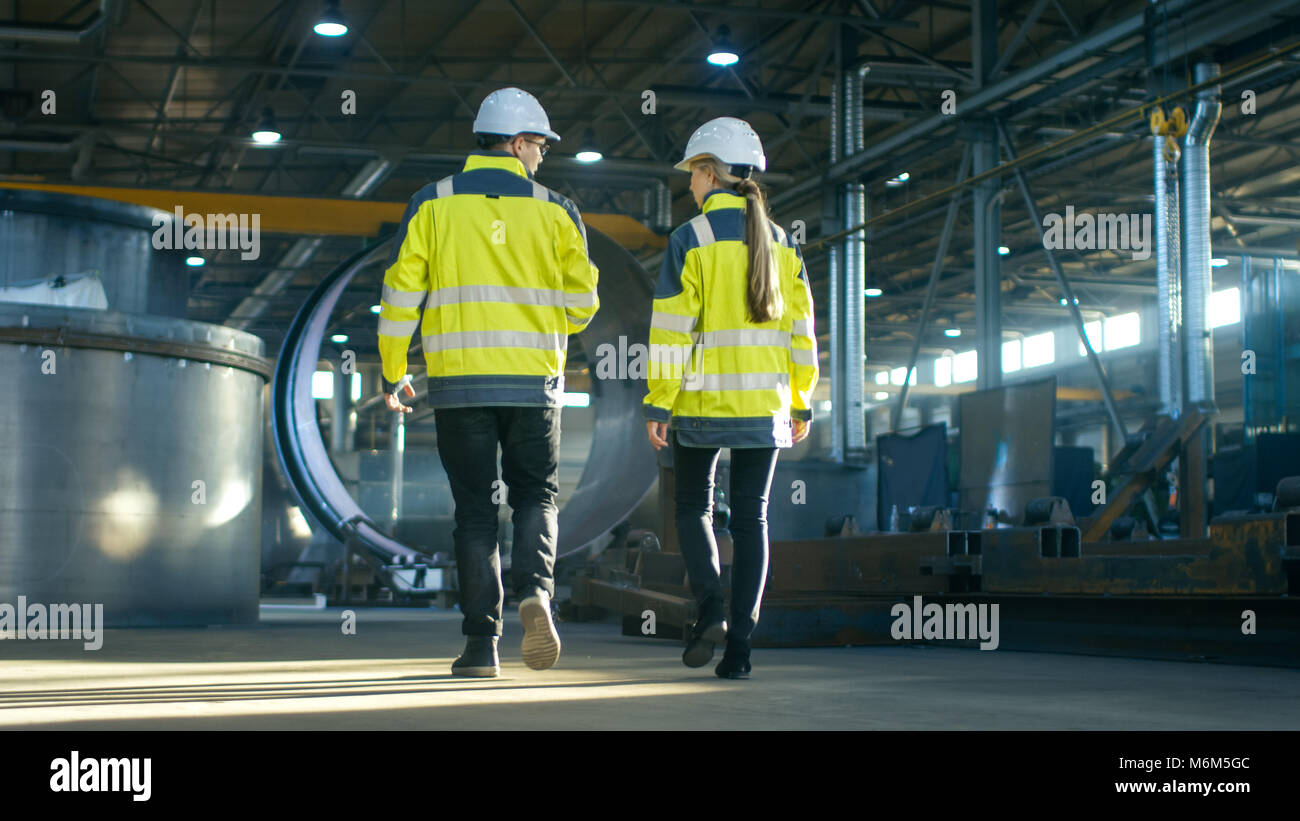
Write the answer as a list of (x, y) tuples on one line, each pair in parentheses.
[(542, 146)]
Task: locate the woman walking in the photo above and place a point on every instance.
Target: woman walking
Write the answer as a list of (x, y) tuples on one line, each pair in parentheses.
[(733, 363)]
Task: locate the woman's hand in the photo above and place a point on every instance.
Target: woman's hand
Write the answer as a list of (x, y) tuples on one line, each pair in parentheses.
[(801, 429), (658, 433)]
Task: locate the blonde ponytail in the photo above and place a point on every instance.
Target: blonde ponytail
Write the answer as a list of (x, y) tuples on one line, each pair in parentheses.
[(763, 302)]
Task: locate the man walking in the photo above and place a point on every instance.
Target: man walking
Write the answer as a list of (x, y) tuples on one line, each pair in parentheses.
[(504, 265)]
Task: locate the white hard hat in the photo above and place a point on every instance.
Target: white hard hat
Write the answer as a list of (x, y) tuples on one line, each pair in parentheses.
[(731, 141), (511, 111)]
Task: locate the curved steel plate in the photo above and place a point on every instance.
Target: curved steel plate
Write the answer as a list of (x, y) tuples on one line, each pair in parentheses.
[(620, 468)]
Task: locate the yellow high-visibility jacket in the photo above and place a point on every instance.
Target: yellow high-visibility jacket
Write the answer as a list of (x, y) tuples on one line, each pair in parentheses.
[(503, 263), (720, 379)]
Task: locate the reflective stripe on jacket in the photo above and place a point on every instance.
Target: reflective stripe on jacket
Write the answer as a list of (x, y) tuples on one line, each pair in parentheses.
[(500, 263), (721, 379)]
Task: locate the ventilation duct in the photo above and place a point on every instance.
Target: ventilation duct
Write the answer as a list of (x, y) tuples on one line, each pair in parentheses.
[(1199, 363), (847, 277), (1168, 291)]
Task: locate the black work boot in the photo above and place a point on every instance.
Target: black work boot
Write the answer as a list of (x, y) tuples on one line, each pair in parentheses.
[(710, 629), (479, 659), (735, 660)]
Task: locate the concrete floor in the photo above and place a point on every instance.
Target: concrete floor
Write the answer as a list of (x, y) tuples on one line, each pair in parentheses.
[(297, 670)]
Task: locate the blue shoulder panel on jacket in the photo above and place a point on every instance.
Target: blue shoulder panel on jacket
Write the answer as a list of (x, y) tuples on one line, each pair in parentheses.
[(491, 181), (571, 209), (782, 236), (670, 273), (428, 192), (728, 224)]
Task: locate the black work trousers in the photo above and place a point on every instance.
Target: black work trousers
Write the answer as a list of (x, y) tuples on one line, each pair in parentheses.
[(530, 453), (751, 481)]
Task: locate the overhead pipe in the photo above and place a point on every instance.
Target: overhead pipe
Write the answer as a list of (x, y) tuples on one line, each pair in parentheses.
[(37, 146), (1260, 219), (1198, 343), (57, 33)]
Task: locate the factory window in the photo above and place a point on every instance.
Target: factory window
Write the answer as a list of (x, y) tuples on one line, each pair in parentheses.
[(322, 385), (965, 366), (1224, 308), (1011, 356), (1122, 331), (1039, 350), (882, 377), (897, 374), (1093, 330), (943, 371)]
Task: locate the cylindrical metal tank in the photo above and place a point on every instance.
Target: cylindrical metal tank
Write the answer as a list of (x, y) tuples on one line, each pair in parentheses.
[(44, 235), (130, 465)]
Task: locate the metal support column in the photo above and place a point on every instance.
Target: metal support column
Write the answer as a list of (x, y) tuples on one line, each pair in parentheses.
[(832, 220), (398, 445), (987, 207), (343, 417), (855, 259), (848, 263), (1198, 339)]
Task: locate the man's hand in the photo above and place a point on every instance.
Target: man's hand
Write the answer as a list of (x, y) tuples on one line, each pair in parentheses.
[(801, 429), (658, 433), (394, 404)]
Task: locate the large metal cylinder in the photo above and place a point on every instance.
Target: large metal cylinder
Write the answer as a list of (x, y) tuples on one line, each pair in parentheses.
[(130, 465), (45, 235)]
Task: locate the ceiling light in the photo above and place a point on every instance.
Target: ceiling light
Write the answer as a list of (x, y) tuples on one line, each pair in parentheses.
[(879, 395), (899, 180), (374, 309), (1218, 262), (1003, 250), (339, 338), (873, 292), (194, 262), (331, 22), (1062, 301), (587, 151), (723, 53), (952, 331), (267, 131)]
